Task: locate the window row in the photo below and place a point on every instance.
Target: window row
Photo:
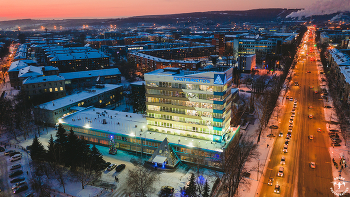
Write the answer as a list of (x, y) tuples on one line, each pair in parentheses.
[(186, 103), (208, 88)]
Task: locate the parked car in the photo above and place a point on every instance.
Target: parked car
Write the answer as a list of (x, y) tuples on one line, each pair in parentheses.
[(273, 127), (8, 152), (327, 106), (280, 134), (166, 191), (15, 180), (17, 185), (20, 189), (14, 167), (270, 181), (335, 144), (286, 142), (311, 137), (271, 135), (285, 148), (2, 149), (111, 167), (15, 173), (120, 167), (311, 116), (14, 153)]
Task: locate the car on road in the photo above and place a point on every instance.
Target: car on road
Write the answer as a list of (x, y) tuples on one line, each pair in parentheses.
[(166, 191), (311, 137), (280, 171), (20, 189), (286, 142), (290, 98), (293, 110), (14, 167), (280, 134), (310, 107), (288, 138), (312, 165), (316, 92), (120, 167), (15, 173), (318, 130), (270, 181), (289, 134), (293, 115), (308, 71), (15, 186), (15, 180), (311, 116), (273, 127), (277, 189), (271, 135), (283, 160), (111, 166), (311, 87), (285, 149), (287, 97), (2, 149)]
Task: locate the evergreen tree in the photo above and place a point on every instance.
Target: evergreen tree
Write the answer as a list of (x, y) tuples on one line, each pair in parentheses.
[(51, 153), (71, 150), (37, 150), (191, 189), (60, 143), (206, 190), (97, 159), (83, 152)]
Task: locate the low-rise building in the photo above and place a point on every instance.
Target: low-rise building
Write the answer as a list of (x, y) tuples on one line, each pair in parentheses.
[(99, 96), (129, 132), (51, 86)]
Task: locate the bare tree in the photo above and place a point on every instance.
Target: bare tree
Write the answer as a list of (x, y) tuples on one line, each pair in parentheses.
[(233, 165), (140, 181), (40, 179)]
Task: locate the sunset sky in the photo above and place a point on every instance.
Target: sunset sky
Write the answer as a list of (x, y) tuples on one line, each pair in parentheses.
[(59, 9)]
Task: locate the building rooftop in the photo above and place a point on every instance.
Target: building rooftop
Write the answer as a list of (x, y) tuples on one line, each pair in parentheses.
[(17, 65), (30, 71), (339, 57), (130, 124), (163, 60), (77, 56), (74, 98), (90, 73), (41, 79)]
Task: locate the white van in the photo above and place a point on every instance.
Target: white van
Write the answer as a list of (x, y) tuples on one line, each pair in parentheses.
[(16, 157)]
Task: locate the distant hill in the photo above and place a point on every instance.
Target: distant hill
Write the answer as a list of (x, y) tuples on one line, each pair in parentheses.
[(205, 18)]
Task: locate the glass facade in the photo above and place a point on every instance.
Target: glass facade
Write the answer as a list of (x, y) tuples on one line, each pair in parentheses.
[(189, 109)]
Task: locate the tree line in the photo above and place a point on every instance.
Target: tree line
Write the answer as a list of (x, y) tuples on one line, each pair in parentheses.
[(67, 157)]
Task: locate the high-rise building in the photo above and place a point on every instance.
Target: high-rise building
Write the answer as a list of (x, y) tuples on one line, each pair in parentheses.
[(194, 104)]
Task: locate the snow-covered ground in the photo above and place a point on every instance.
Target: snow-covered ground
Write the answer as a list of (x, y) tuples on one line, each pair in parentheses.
[(176, 179)]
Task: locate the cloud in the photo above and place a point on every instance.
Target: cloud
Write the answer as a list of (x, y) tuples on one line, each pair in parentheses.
[(322, 8)]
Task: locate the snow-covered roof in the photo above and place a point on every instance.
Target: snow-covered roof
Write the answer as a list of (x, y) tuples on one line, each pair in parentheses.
[(91, 73), (159, 159), (75, 98), (17, 65), (340, 58), (49, 68), (30, 71), (41, 79), (138, 83), (163, 60), (345, 70), (77, 56), (131, 124)]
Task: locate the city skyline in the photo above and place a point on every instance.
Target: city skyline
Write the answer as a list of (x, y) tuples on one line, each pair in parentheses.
[(39, 9)]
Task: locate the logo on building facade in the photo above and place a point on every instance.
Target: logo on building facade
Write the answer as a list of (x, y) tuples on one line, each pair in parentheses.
[(191, 80), (219, 79), (340, 188)]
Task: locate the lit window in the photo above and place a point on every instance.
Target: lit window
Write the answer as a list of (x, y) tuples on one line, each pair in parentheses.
[(61, 88), (56, 89), (100, 101), (50, 89)]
